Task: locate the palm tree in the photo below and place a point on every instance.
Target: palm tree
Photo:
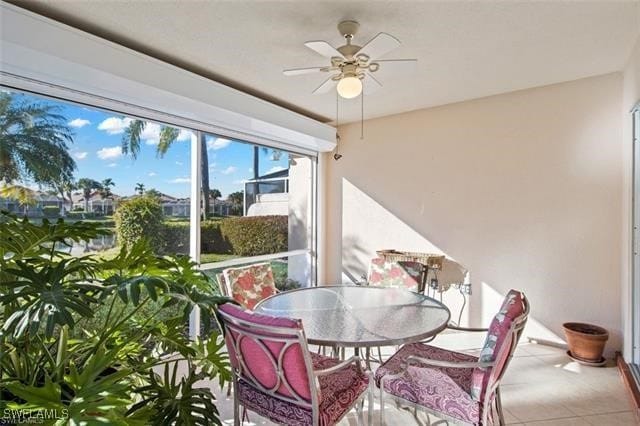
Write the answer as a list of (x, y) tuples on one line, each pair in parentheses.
[(64, 188), (105, 188), (140, 188), (34, 140), (88, 186), (168, 135), (214, 194), (237, 201)]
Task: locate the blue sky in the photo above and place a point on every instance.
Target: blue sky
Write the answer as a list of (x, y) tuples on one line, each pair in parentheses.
[(96, 150)]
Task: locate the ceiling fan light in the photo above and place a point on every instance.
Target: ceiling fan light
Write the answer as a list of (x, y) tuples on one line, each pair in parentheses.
[(349, 87)]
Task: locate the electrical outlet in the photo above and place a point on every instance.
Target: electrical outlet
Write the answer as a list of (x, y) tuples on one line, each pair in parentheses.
[(466, 288)]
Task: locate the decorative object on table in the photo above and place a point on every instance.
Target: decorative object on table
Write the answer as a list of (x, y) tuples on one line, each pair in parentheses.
[(248, 285), (455, 386), (276, 376), (586, 342)]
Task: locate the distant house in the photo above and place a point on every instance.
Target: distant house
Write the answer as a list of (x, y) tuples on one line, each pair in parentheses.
[(267, 195), (173, 206), (97, 204), (40, 200)]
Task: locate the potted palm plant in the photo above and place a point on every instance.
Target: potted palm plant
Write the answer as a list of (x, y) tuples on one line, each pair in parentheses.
[(86, 340)]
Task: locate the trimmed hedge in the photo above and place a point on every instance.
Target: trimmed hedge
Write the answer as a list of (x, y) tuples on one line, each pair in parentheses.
[(256, 235), (51, 211), (140, 217), (176, 238), (211, 238), (244, 236), (80, 215)]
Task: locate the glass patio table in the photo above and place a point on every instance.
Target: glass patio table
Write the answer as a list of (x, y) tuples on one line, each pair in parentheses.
[(359, 316)]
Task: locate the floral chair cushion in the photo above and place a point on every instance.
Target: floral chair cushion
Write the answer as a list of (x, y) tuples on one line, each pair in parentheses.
[(497, 336), (442, 390), (250, 284), (384, 273), (338, 392)]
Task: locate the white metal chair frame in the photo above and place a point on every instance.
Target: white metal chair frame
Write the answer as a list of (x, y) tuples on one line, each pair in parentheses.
[(492, 393), (288, 336)]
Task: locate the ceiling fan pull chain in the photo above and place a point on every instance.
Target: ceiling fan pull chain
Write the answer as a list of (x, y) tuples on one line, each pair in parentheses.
[(337, 155), (362, 115)]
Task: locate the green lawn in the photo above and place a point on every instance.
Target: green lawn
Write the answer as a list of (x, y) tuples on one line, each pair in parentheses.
[(215, 257)]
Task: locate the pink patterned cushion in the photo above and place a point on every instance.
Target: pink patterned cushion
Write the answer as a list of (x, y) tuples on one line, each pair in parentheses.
[(260, 362), (497, 337), (443, 390), (250, 284), (338, 393), (383, 273)]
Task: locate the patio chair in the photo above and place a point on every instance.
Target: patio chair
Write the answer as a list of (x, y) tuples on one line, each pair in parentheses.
[(389, 273), (384, 273), (454, 386), (248, 285), (276, 376)]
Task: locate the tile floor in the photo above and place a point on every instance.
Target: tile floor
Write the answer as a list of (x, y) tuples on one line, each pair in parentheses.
[(542, 386)]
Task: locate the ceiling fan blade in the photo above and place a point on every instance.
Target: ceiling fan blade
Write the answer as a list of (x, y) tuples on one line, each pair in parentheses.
[(379, 46), (301, 71), (370, 84), (327, 85), (323, 48), (397, 65)]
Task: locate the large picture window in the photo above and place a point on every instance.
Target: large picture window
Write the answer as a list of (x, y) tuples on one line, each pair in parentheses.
[(246, 203)]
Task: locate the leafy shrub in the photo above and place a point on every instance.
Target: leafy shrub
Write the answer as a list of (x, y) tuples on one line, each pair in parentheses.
[(51, 211), (130, 311), (140, 218), (256, 235)]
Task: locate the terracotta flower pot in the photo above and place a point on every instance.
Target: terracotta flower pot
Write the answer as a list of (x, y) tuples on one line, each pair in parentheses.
[(586, 341)]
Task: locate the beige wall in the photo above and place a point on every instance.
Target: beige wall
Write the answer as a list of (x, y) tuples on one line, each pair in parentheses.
[(524, 189), (630, 96)]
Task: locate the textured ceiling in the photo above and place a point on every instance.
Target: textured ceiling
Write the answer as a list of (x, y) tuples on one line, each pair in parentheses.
[(465, 50)]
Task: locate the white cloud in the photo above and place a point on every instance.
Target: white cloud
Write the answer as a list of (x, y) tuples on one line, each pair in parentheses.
[(151, 134), (109, 153), (250, 169), (152, 174), (180, 180), (79, 122), (114, 125), (275, 169), (228, 170), (239, 182), (112, 165), (80, 155), (218, 143), (212, 166), (179, 163), (184, 135)]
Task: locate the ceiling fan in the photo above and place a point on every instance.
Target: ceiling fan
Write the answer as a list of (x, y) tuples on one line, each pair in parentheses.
[(353, 65)]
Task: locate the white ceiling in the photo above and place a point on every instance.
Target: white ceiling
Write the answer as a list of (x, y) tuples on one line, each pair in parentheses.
[(465, 49)]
